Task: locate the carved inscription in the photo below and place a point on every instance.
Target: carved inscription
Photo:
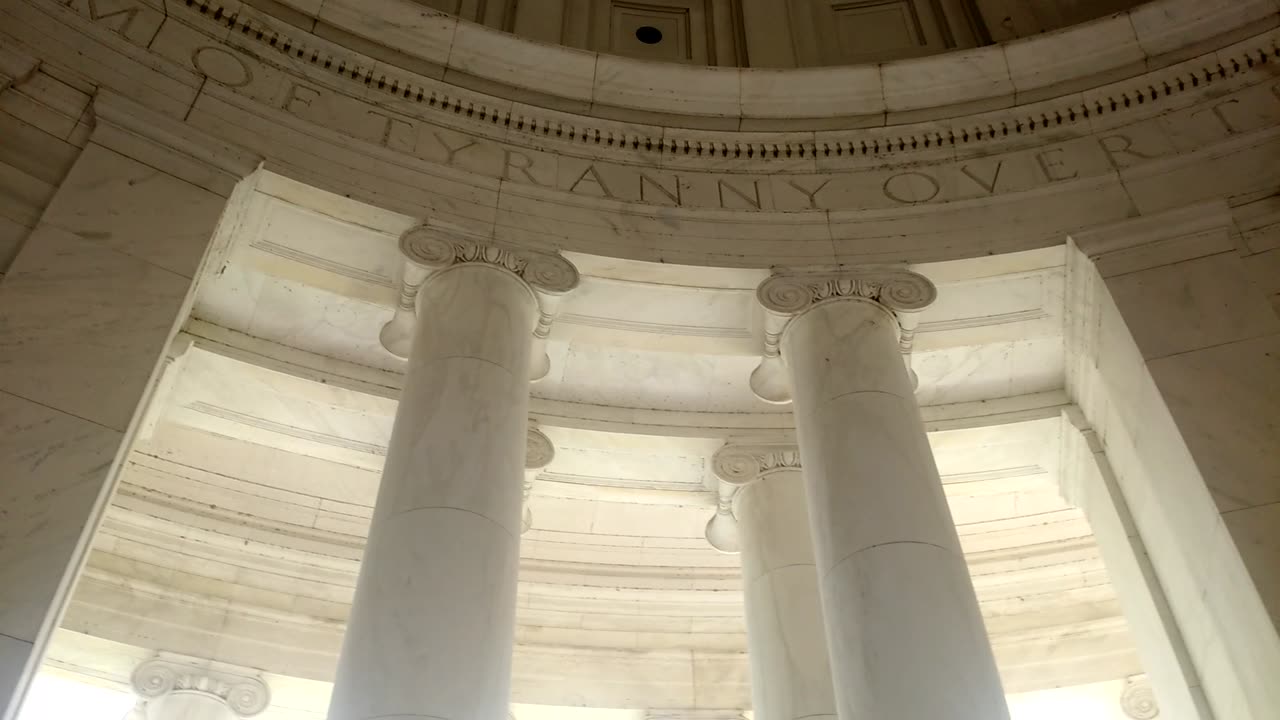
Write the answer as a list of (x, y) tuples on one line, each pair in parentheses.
[(221, 65), (134, 21), (826, 182)]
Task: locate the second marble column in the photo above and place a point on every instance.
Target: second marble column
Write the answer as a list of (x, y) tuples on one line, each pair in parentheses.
[(906, 638), (787, 647), (433, 621)]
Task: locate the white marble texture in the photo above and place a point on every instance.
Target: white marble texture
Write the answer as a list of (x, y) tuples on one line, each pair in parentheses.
[(900, 608), (55, 466), (790, 671), (433, 621), (1090, 483), (1149, 368)]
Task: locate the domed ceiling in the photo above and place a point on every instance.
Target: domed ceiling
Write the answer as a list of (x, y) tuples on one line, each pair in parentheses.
[(776, 33)]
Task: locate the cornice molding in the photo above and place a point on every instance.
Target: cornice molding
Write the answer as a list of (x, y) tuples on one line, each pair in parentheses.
[(587, 416), (1156, 237), (164, 676), (528, 124), (469, 54), (120, 123)]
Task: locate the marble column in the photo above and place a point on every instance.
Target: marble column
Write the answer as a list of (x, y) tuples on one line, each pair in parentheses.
[(432, 624), (787, 647), (905, 636), (177, 689)]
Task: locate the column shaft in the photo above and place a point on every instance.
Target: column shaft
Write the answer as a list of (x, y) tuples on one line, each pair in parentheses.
[(433, 621), (907, 641), (790, 673), (189, 706)]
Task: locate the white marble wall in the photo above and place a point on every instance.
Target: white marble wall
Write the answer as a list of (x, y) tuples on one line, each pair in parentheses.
[(1172, 358), (1088, 481), (86, 311)]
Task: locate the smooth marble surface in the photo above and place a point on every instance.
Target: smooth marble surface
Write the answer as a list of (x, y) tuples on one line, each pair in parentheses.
[(1089, 481), (908, 614), (432, 625), (1225, 401), (1213, 588), (1210, 296), (790, 670), (86, 310), (137, 210), (55, 466), (84, 325), (899, 604)]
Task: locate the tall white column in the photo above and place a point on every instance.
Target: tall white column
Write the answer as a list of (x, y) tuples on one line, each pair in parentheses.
[(906, 639), (174, 688), (433, 621), (787, 646)]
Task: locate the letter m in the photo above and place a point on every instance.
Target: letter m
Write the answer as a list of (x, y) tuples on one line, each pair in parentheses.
[(119, 19)]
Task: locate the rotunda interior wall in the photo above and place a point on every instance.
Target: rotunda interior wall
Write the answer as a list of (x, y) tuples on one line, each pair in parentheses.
[(260, 462), (619, 591), (618, 161), (82, 664), (991, 150)]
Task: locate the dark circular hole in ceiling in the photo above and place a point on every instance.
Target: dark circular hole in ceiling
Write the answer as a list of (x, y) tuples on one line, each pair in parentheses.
[(649, 35)]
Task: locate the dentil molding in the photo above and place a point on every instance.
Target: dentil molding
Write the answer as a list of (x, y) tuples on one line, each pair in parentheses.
[(788, 294), (244, 695)]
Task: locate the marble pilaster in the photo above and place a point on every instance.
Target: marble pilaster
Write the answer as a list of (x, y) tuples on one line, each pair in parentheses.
[(790, 670), (87, 310), (1171, 352), (1088, 481), (904, 632), (433, 621), (177, 689)]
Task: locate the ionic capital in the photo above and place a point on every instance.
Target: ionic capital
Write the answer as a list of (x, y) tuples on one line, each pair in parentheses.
[(789, 294), (538, 454), (743, 464), (1138, 700), (437, 249), (163, 680), (738, 465), (429, 250)]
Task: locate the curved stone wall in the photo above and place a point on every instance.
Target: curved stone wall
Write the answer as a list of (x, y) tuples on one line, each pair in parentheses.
[(777, 33), (991, 150)]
